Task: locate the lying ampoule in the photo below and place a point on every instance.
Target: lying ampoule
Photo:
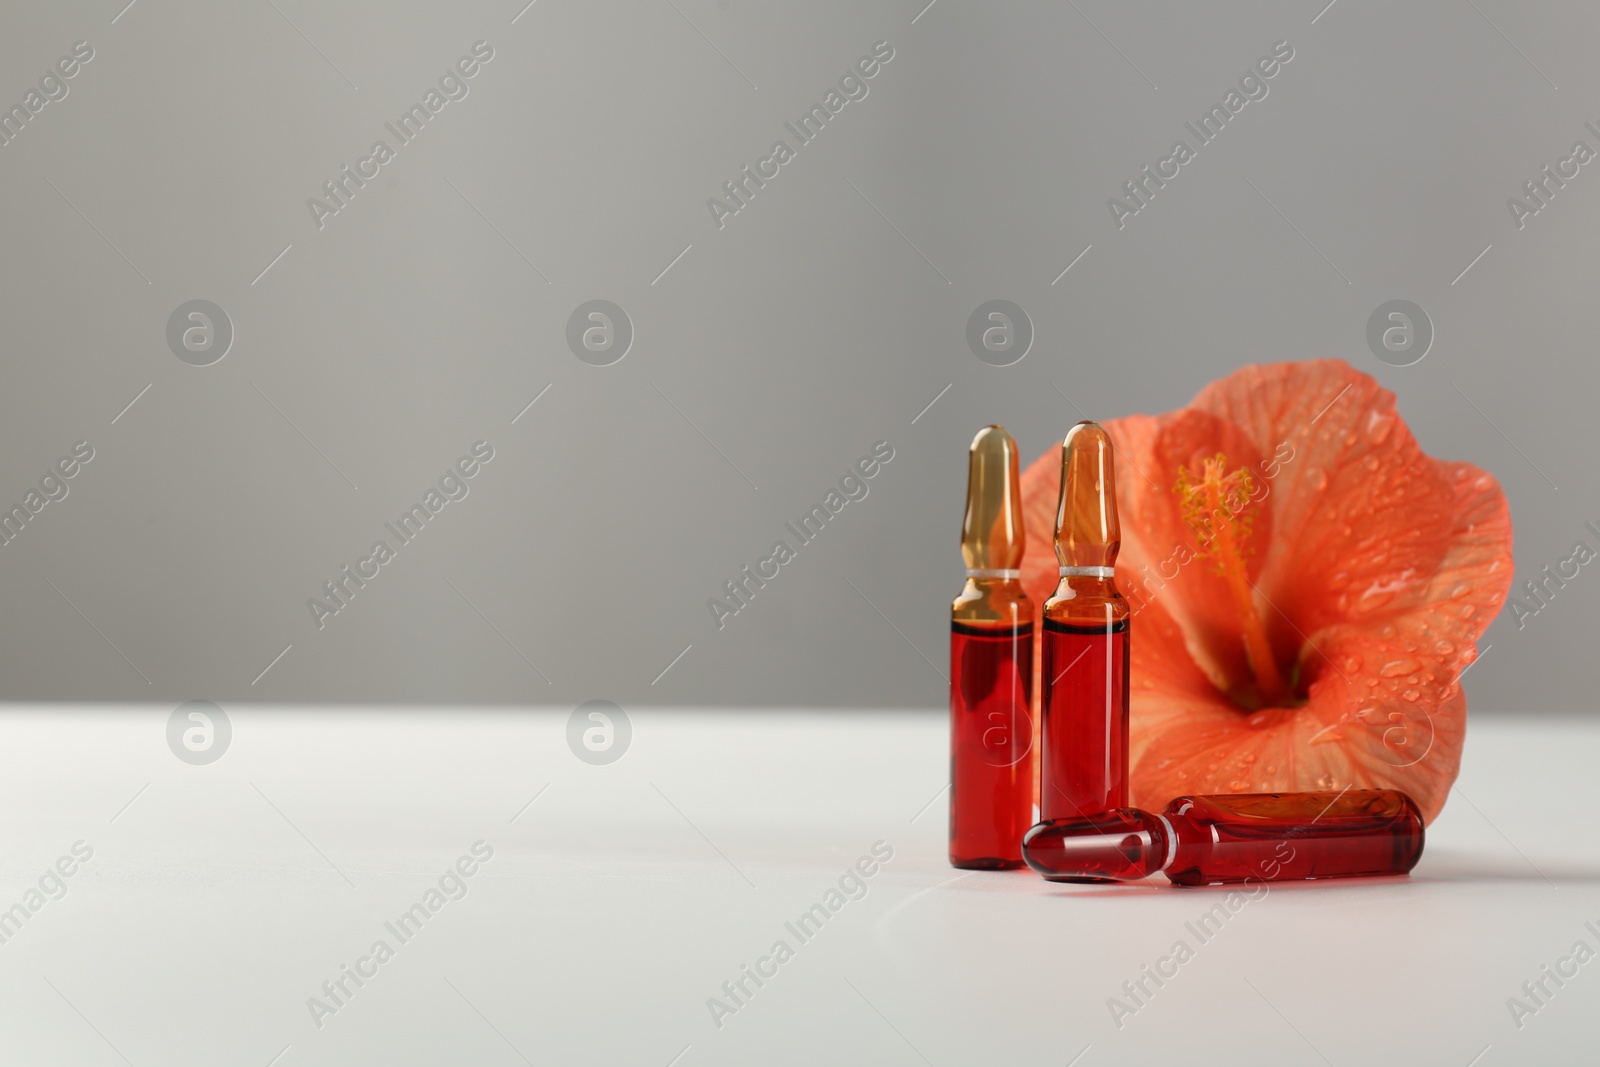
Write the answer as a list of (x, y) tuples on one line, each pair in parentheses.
[(991, 668), (1235, 838), (1084, 698)]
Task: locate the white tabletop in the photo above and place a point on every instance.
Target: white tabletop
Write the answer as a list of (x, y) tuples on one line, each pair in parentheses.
[(219, 898)]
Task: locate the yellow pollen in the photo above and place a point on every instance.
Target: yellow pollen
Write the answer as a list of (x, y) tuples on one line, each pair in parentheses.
[(1218, 507)]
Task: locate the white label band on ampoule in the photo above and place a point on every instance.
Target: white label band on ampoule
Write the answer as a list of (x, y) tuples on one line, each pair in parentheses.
[(1172, 842), (993, 572), (1088, 572)]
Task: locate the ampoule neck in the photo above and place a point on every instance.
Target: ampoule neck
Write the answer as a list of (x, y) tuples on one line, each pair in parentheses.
[(1088, 602), (992, 600), (1085, 585), (990, 577)]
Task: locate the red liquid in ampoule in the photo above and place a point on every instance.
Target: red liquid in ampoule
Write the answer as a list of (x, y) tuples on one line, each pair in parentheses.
[(1238, 837), (1084, 765), (1279, 836), (991, 744)]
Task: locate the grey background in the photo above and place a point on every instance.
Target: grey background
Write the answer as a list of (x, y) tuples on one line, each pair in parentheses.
[(821, 319)]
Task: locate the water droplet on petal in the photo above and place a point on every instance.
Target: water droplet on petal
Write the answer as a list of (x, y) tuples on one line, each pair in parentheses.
[(1396, 667)]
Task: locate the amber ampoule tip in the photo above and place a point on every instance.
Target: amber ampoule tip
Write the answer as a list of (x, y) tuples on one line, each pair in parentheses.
[(991, 530), (1088, 533)]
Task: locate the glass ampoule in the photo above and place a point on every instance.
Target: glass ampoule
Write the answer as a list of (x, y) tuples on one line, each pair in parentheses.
[(1084, 680), (991, 668), (1238, 837)]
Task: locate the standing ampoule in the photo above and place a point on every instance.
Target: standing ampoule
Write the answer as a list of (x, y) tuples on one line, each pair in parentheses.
[(1084, 698), (1236, 838), (991, 668)]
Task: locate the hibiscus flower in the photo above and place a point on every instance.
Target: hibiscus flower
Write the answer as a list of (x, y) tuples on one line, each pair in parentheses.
[(1307, 588)]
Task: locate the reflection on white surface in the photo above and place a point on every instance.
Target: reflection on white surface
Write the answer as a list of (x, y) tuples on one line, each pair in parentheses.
[(202, 920)]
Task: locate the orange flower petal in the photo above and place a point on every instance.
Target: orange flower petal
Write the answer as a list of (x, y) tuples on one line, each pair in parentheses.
[(1378, 570)]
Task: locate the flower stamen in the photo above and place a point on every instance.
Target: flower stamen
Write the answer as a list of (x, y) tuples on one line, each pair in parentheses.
[(1218, 507)]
